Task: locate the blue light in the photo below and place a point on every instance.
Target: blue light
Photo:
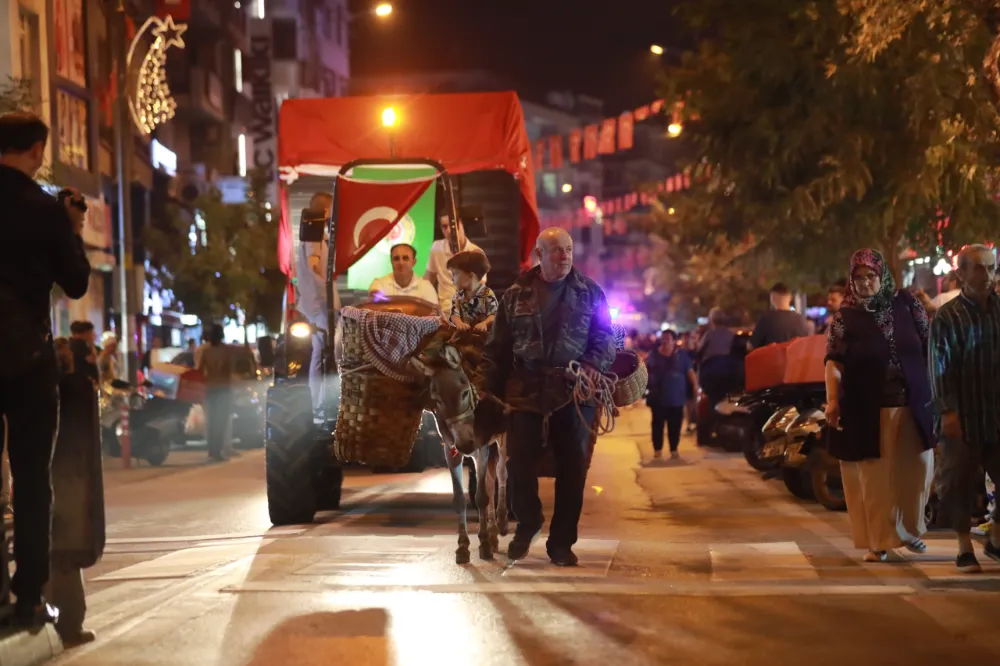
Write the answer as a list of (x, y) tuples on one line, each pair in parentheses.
[(614, 313)]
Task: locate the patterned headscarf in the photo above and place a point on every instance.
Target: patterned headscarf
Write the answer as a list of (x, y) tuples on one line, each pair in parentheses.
[(881, 302)]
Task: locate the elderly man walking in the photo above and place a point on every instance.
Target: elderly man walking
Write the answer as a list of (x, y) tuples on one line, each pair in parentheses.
[(550, 317), (964, 366)]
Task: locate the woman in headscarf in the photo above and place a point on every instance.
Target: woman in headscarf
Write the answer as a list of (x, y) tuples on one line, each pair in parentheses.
[(877, 393)]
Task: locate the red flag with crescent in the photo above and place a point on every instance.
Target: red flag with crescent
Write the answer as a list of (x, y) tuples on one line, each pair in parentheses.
[(367, 211)]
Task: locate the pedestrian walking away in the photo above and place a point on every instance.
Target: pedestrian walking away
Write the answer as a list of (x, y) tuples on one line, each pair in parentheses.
[(877, 393), (964, 366), (670, 372), (217, 365), (43, 248), (551, 316)]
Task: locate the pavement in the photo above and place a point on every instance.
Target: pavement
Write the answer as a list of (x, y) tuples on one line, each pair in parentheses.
[(696, 561)]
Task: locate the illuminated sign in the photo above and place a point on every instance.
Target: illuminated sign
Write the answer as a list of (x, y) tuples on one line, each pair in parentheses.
[(163, 158), (150, 101)]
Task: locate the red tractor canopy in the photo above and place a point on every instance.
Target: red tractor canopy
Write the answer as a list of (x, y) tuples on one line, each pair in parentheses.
[(463, 132)]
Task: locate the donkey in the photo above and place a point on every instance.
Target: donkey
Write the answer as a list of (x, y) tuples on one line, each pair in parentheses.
[(454, 404)]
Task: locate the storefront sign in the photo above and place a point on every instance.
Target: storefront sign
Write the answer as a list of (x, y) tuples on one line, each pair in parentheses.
[(262, 127), (71, 62), (97, 224), (163, 158), (74, 147)]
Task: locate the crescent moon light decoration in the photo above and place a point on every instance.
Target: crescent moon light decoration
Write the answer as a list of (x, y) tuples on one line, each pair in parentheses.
[(149, 101)]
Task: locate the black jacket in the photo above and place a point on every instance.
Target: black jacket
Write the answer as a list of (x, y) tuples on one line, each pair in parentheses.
[(40, 248)]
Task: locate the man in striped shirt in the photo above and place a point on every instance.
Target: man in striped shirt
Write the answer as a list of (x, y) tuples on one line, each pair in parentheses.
[(965, 376)]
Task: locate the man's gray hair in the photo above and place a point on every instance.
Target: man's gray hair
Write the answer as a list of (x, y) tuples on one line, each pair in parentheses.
[(717, 316), (969, 250)]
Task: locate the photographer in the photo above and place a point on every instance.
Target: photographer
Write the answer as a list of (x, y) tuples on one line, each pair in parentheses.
[(43, 249)]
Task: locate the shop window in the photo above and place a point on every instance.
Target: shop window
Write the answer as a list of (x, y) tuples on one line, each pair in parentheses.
[(74, 136)]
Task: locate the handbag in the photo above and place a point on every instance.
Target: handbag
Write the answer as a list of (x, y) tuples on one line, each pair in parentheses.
[(25, 343)]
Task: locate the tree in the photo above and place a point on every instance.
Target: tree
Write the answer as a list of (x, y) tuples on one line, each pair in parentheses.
[(15, 95), (965, 30), (814, 152), (218, 258)]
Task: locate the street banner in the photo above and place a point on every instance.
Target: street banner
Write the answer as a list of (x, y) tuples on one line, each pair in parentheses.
[(367, 211)]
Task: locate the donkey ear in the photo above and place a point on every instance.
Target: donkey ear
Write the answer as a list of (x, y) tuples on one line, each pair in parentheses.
[(453, 357), (421, 367)]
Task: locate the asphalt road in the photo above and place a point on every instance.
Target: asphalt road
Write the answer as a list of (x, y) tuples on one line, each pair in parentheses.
[(691, 562)]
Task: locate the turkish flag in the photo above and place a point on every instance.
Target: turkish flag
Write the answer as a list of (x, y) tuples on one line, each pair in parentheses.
[(555, 152), (606, 140), (625, 131), (575, 140), (366, 213), (179, 9), (591, 134)]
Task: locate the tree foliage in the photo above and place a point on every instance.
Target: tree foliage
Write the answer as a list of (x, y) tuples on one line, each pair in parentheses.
[(813, 151), (231, 263)]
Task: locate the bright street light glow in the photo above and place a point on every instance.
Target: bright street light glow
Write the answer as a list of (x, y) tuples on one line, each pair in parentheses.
[(383, 10), (671, 211), (590, 203), (674, 129), (656, 49), (389, 117), (242, 152), (567, 188)]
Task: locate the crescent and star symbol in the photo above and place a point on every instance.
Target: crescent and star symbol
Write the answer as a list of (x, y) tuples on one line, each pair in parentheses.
[(374, 214), (170, 32)]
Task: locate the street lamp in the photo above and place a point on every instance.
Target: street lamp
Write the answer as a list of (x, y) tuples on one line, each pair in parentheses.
[(567, 188), (656, 49), (383, 10), (675, 129), (389, 123)]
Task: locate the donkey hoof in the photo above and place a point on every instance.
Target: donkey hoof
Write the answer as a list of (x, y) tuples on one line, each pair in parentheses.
[(504, 528), (485, 551), (495, 544), (462, 556)]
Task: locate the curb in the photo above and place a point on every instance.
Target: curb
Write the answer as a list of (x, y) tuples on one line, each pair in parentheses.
[(26, 648)]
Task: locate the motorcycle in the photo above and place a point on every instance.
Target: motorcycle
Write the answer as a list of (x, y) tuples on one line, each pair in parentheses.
[(153, 425), (795, 440)]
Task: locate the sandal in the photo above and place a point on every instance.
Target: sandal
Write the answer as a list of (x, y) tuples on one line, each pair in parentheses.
[(876, 556), (916, 546)]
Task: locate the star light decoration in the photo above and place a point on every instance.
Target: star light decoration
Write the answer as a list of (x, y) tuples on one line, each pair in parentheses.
[(153, 104)]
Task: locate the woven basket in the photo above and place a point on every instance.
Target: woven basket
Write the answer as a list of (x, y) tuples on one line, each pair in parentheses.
[(632, 378), (378, 421), (352, 352)]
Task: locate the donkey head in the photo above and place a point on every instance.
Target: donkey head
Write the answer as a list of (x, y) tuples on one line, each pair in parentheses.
[(452, 396)]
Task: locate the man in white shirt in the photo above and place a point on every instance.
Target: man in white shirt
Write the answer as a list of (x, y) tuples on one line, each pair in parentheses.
[(437, 264), (402, 281), (311, 281)]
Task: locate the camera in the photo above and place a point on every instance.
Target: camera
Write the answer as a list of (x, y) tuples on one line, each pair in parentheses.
[(77, 201)]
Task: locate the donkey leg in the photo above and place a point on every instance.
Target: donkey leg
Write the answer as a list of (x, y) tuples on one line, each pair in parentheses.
[(479, 458), (462, 555), (491, 493), (501, 473)]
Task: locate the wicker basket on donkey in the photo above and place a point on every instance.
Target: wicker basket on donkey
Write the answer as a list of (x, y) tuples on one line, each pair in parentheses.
[(378, 421), (352, 351)]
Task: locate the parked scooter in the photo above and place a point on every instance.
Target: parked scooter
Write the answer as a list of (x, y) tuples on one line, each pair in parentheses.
[(153, 426), (795, 439)]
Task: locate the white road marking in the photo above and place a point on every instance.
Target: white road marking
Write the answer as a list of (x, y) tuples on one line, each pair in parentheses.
[(756, 561), (277, 532), (595, 556), (589, 588), (185, 563)]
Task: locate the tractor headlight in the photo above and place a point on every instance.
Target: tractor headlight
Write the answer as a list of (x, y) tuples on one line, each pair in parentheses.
[(300, 330)]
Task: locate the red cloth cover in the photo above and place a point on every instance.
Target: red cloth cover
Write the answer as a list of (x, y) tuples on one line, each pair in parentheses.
[(765, 367), (805, 360)]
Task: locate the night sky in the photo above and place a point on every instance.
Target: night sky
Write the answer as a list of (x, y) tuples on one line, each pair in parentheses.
[(595, 47)]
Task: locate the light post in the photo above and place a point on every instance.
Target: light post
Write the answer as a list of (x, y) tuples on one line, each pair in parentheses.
[(389, 123)]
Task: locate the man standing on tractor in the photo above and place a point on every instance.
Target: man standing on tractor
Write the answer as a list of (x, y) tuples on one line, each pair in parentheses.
[(525, 366), (312, 261), (437, 263), (402, 281)]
